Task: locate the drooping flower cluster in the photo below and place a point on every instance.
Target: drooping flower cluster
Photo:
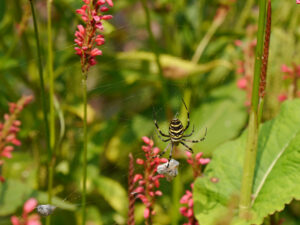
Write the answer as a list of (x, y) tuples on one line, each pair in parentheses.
[(148, 183), (291, 77), (197, 162), (32, 219), (87, 38), (10, 128), (187, 210), (187, 199), (245, 67)]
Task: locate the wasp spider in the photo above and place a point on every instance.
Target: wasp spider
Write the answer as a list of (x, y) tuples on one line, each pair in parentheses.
[(176, 134)]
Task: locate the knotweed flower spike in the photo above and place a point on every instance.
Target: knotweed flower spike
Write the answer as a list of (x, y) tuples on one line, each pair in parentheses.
[(187, 199), (87, 38), (27, 219), (10, 128), (291, 76), (148, 183)]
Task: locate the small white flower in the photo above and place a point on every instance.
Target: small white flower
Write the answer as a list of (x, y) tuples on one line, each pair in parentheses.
[(45, 210), (169, 169)]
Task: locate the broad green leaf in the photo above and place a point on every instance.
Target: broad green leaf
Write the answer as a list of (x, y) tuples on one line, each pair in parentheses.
[(276, 180), (175, 67), (113, 193), (223, 114)]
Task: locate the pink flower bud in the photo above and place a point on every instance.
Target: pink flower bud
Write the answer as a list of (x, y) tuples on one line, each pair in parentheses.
[(140, 161), (158, 193), (156, 151), (188, 154), (107, 17), (30, 205), (203, 161), (137, 177), (16, 142), (238, 43), (104, 9), (242, 83), (146, 140), (146, 213), (286, 69), (96, 52), (199, 155), (282, 97), (15, 220)]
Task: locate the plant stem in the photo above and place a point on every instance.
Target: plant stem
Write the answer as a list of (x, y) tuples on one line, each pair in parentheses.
[(251, 147), (51, 162), (40, 66), (84, 175)]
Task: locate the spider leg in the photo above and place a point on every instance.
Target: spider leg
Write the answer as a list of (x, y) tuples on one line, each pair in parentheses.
[(170, 156), (188, 135), (188, 116), (161, 133), (164, 140), (189, 148), (196, 141), (164, 151)]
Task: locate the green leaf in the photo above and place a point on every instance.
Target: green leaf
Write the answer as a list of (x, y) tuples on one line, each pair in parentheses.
[(175, 67), (113, 193), (223, 114), (277, 177)]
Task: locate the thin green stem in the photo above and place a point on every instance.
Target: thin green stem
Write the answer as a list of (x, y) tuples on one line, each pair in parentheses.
[(251, 147), (40, 66), (84, 89), (51, 162)]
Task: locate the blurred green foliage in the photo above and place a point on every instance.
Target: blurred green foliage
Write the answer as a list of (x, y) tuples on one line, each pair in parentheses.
[(125, 91)]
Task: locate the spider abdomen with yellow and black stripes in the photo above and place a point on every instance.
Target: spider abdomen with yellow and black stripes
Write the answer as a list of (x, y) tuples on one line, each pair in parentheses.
[(176, 130)]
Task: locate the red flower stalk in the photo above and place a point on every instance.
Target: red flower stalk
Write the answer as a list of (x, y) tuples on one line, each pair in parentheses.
[(87, 38), (187, 199), (27, 219), (131, 197), (10, 128), (263, 74), (148, 183)]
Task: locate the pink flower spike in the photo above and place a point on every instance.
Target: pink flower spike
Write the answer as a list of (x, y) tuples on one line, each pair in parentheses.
[(146, 213), (30, 205), (297, 1), (15, 220), (16, 142), (184, 199)]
